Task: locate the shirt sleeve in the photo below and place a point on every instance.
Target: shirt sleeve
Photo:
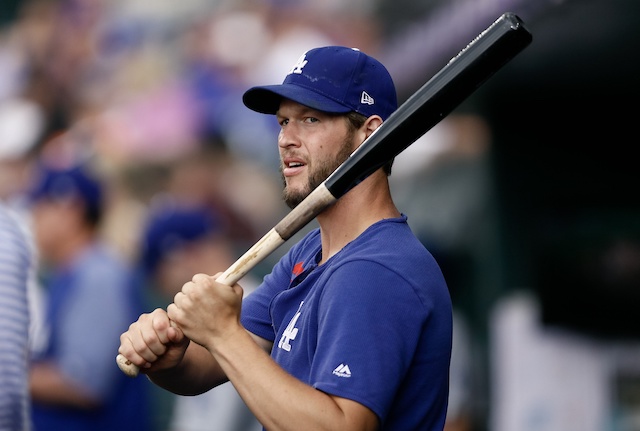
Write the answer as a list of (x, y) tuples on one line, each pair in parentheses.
[(371, 320)]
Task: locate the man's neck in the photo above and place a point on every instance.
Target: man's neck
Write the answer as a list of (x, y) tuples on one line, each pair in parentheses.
[(366, 204)]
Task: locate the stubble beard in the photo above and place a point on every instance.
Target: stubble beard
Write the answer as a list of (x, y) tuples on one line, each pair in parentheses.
[(324, 168)]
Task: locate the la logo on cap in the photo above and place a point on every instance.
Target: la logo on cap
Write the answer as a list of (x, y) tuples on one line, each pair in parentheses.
[(302, 62)]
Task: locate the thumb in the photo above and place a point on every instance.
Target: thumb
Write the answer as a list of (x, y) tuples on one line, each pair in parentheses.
[(176, 335)]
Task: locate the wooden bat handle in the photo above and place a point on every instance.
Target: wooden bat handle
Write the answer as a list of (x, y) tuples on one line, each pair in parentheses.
[(301, 215), (126, 366)]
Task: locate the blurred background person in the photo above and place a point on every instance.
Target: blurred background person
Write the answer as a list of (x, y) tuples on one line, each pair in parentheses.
[(90, 299), (21, 129), (16, 263), (181, 239)]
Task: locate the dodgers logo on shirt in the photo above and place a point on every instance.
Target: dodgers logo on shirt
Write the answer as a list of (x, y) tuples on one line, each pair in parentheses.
[(290, 332)]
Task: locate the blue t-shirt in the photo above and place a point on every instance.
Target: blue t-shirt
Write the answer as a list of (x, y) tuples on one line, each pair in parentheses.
[(372, 324)]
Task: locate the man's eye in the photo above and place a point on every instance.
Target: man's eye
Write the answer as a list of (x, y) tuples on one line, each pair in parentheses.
[(311, 120)]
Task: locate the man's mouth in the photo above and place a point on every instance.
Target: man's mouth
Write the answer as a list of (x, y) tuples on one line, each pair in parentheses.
[(292, 167)]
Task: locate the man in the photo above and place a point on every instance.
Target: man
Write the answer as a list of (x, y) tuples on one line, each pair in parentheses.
[(90, 299), (15, 269), (352, 328)]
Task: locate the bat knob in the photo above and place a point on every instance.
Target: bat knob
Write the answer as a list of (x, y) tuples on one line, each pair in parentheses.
[(127, 366)]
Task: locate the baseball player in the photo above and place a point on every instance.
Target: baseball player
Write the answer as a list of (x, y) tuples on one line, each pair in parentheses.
[(352, 328)]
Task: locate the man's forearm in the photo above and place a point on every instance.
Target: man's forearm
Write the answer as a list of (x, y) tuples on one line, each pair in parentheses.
[(281, 401), (197, 373)]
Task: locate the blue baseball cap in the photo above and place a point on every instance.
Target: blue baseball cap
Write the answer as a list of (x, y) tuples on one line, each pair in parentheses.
[(172, 227), (74, 182), (333, 79)]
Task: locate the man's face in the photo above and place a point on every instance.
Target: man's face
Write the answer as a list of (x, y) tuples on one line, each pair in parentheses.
[(312, 145)]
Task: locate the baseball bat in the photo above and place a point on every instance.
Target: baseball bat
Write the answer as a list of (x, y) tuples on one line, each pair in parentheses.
[(457, 80)]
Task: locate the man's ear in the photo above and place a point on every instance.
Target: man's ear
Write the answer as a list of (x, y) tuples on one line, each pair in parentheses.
[(368, 127), (372, 124)]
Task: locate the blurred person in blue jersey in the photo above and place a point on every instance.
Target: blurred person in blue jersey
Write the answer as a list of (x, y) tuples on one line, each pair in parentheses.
[(90, 297)]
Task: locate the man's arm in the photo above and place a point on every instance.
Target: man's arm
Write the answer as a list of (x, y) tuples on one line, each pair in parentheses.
[(279, 400), (198, 371), (169, 359), (208, 313)]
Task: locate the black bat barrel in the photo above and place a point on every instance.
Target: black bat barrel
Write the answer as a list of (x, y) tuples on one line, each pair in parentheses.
[(464, 73)]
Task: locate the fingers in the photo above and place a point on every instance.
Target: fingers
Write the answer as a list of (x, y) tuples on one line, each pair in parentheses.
[(193, 292), (204, 308), (188, 289), (198, 277), (147, 338), (154, 340), (174, 311), (181, 302)]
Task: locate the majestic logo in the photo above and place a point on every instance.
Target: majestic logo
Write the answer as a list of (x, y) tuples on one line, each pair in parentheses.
[(290, 331), (297, 68), (366, 99), (342, 370)]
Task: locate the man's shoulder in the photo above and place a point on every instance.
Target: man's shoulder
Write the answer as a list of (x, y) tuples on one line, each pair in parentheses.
[(393, 236)]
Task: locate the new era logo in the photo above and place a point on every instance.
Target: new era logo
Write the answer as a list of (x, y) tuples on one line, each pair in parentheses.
[(366, 99), (342, 370)]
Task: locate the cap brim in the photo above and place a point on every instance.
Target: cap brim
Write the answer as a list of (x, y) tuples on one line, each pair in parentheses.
[(266, 99)]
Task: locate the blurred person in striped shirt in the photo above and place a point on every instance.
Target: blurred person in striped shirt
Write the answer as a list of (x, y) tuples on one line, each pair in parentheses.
[(15, 265)]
